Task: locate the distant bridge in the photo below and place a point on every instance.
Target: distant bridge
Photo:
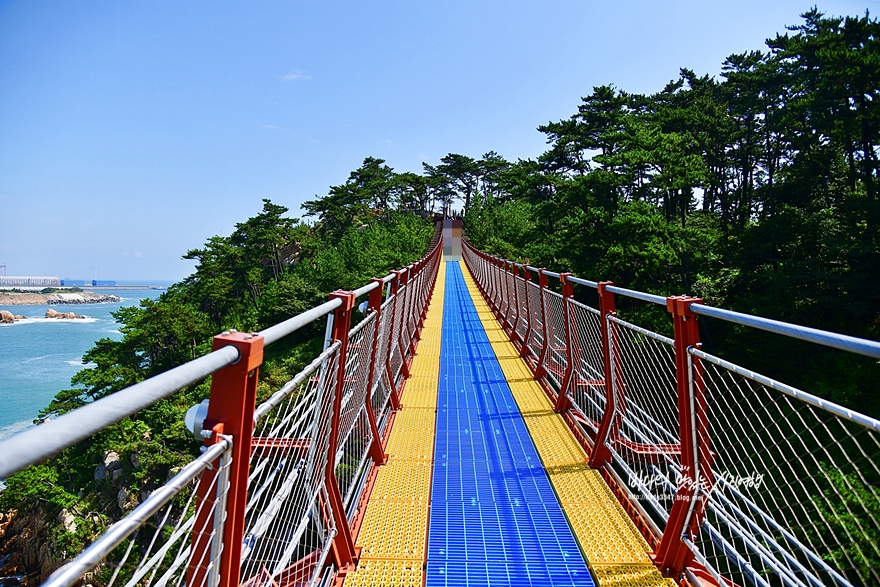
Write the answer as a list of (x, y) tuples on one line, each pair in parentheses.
[(478, 427)]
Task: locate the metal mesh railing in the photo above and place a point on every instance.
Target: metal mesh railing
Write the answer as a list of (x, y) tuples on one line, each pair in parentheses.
[(772, 486), (793, 490), (151, 546), (556, 359), (588, 392), (274, 509), (283, 519)]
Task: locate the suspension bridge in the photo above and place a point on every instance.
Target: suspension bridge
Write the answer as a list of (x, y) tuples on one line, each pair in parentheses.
[(477, 424)]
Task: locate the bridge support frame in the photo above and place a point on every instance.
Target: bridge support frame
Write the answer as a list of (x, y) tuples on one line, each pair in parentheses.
[(572, 354), (230, 409), (687, 510), (344, 552), (540, 370), (614, 399), (375, 304)]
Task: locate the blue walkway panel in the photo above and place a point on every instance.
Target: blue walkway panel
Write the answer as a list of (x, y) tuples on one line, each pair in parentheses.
[(494, 516)]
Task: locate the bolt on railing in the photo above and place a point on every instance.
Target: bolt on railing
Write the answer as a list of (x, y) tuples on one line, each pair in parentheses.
[(767, 484)]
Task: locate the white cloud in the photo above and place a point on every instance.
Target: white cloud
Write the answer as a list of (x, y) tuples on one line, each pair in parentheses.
[(385, 143), (270, 127), (295, 75), (138, 254)]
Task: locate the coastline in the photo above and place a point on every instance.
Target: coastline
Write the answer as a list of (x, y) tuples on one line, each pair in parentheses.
[(38, 299)]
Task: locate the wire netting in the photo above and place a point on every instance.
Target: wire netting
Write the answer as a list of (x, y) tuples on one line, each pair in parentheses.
[(587, 392), (153, 544), (793, 493), (556, 359), (535, 336), (645, 428), (285, 528)]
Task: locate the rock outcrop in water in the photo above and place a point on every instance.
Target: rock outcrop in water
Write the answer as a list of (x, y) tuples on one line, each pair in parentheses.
[(6, 317), (36, 299), (50, 313)]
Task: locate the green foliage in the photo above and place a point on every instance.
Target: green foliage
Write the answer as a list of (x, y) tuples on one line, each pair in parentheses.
[(756, 191), (850, 509), (270, 268)]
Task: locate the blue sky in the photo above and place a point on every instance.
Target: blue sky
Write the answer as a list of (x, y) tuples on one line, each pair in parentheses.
[(132, 131)]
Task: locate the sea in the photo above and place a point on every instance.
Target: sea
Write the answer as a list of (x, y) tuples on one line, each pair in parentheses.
[(39, 355)]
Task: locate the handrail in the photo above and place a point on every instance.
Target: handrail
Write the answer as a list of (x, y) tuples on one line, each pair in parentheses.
[(639, 295), (41, 442), (50, 438), (782, 459), (861, 346)]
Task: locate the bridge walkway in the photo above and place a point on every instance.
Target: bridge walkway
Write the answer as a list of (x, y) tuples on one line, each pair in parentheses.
[(485, 484)]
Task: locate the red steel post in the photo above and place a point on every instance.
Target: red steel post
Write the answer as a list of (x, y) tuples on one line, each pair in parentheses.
[(231, 409), (540, 371), (514, 336), (375, 304), (527, 279), (395, 290), (562, 400), (344, 552), (697, 479), (505, 274), (403, 327), (610, 424)]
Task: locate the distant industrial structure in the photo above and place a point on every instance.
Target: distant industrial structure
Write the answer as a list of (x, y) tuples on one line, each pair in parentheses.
[(84, 283), (29, 281)]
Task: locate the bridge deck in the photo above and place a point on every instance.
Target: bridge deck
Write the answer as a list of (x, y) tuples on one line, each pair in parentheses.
[(512, 501)]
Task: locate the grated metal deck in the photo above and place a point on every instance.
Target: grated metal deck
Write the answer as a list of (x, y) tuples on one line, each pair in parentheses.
[(494, 518), (395, 526), (617, 553)]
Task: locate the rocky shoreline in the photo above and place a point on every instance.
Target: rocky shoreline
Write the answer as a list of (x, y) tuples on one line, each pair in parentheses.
[(35, 299)]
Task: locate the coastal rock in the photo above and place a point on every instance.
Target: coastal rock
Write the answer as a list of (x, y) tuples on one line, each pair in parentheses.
[(6, 317), (50, 313), (111, 461), (125, 500), (32, 299), (81, 298), (67, 520), (19, 317)]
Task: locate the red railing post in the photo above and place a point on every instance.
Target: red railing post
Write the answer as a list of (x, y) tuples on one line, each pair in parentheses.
[(505, 296), (696, 468), (375, 304), (405, 279), (344, 552), (493, 288), (230, 409), (562, 401), (611, 416), (527, 279), (540, 371), (514, 336), (499, 296), (395, 290)]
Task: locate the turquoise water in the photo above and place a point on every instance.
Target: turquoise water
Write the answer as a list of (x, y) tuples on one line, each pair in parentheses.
[(38, 356)]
